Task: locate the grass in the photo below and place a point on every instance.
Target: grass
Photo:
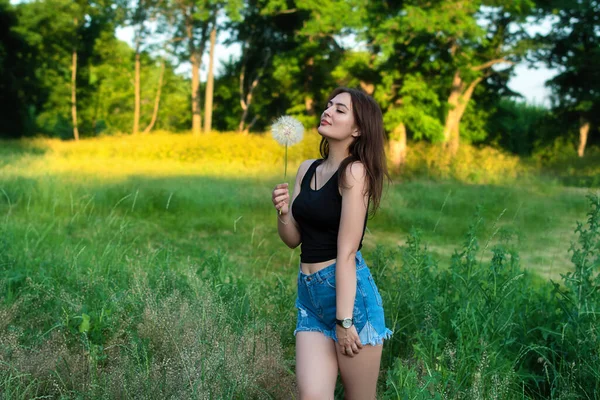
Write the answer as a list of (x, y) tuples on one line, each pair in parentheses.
[(151, 266)]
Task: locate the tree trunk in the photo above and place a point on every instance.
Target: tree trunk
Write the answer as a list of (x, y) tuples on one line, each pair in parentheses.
[(251, 124), (157, 100), (96, 108), (74, 89), (246, 100), (208, 96), (308, 100), (196, 60), (136, 108), (368, 87), (398, 146), (453, 99), (454, 143), (458, 100), (196, 117), (584, 129)]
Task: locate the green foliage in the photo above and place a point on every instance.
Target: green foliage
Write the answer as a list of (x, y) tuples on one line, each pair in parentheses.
[(406, 63), (55, 29), (293, 53), (419, 106), (463, 322), (113, 100), (481, 330), (573, 44), (471, 164), (118, 309), (124, 270), (17, 76), (579, 302), (559, 158), (50, 39), (517, 126)]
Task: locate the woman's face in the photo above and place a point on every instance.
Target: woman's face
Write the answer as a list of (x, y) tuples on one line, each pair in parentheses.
[(337, 121)]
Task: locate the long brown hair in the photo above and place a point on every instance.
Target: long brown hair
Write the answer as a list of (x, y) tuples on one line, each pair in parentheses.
[(368, 148)]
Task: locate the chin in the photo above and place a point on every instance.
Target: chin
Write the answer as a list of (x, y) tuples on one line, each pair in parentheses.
[(321, 129)]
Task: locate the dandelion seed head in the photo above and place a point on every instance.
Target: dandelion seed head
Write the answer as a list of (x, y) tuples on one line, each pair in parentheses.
[(287, 130)]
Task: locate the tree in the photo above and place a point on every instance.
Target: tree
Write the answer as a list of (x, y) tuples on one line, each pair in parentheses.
[(425, 51), (140, 13), (573, 46), (318, 45), (400, 69), (157, 99), (210, 80), (18, 82), (48, 34), (289, 51), (189, 22), (63, 35), (476, 37), (76, 22), (113, 78), (262, 32), (90, 19), (517, 126)]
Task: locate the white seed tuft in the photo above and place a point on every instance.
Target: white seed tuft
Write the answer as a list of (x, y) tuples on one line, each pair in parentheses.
[(287, 130)]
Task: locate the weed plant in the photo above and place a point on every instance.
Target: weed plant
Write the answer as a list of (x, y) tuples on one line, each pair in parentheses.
[(89, 310), (488, 329), (126, 272)]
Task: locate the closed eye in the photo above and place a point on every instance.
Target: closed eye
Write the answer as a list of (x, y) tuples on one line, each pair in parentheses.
[(337, 104)]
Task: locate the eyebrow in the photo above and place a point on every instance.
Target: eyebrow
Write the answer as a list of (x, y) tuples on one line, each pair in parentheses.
[(338, 104)]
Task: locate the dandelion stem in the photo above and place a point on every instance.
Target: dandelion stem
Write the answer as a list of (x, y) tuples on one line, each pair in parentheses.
[(285, 163)]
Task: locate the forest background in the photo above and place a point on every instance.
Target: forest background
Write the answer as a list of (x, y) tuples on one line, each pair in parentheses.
[(439, 70), (138, 250)]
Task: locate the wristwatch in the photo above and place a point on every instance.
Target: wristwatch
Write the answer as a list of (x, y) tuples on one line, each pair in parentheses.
[(345, 323)]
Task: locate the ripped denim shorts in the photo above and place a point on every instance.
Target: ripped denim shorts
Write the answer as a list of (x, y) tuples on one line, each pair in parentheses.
[(316, 304)]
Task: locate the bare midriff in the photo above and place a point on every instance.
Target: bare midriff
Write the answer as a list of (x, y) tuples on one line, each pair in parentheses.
[(311, 268)]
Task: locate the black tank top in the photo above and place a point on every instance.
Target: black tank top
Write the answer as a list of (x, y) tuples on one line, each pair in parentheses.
[(318, 213)]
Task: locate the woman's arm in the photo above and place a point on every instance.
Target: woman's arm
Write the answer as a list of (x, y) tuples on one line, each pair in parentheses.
[(354, 210), (287, 227)]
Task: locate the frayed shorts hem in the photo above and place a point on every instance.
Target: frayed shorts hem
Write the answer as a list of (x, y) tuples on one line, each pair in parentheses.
[(327, 333), (372, 341), (378, 340)]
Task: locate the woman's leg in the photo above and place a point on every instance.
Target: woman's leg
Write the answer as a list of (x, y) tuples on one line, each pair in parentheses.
[(316, 366), (359, 373)]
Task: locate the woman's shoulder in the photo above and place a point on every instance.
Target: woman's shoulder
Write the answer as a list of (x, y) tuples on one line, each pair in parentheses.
[(304, 166), (354, 176), (355, 171)]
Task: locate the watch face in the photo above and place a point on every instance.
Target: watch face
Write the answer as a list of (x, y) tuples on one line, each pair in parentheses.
[(347, 323)]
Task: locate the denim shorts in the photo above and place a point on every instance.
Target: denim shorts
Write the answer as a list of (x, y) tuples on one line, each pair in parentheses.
[(316, 304)]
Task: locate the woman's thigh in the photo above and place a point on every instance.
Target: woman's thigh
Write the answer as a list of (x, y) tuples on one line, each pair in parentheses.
[(359, 373), (316, 365)]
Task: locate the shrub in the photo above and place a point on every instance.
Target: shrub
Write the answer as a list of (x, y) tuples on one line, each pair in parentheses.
[(471, 164), (490, 330)]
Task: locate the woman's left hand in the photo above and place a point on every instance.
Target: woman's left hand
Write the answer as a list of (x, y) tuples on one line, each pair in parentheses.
[(348, 341)]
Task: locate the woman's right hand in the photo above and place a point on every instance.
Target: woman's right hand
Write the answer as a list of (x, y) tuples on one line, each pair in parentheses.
[(281, 198)]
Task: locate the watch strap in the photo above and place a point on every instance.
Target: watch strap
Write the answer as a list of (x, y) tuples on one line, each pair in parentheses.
[(340, 322)]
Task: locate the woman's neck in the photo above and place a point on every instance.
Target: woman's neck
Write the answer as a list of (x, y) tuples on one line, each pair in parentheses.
[(337, 153)]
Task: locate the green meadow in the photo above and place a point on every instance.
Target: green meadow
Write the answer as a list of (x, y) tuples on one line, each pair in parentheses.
[(150, 267)]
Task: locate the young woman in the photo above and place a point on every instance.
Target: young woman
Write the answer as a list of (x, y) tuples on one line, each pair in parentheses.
[(340, 322)]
